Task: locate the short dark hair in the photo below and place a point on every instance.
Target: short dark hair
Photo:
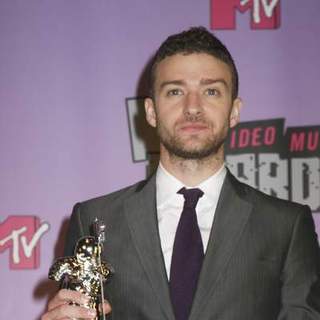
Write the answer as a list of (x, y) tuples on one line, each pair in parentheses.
[(195, 40)]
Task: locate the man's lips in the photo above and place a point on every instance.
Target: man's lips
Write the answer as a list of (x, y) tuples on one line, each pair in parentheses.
[(193, 127)]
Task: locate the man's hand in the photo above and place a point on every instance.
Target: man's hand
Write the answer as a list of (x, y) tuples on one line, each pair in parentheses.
[(59, 306)]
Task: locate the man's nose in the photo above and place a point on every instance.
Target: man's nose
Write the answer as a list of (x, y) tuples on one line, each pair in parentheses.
[(193, 103)]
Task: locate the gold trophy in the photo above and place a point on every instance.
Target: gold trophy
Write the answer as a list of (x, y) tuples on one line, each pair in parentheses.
[(85, 272)]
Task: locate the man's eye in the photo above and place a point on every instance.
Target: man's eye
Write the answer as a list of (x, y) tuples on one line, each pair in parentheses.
[(212, 92), (174, 92)]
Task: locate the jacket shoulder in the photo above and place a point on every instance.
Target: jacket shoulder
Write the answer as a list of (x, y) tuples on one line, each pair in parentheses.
[(117, 196), (107, 208), (261, 199)]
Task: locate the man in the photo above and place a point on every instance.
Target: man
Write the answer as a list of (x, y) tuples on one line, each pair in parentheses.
[(230, 252)]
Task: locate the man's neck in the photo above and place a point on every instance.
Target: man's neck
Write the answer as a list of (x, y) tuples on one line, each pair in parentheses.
[(192, 172)]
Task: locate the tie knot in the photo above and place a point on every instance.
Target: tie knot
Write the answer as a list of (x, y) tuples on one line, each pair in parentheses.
[(191, 196)]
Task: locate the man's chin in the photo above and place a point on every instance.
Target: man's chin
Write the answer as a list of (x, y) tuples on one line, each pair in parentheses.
[(192, 148), (193, 153)]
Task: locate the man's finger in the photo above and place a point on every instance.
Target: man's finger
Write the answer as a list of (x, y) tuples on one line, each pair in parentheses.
[(106, 307), (69, 311), (64, 296)]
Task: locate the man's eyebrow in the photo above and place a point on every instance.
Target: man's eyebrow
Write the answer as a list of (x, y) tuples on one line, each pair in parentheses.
[(203, 82), (213, 81), (171, 82)]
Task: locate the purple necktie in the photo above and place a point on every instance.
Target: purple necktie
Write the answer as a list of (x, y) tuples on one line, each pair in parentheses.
[(187, 256)]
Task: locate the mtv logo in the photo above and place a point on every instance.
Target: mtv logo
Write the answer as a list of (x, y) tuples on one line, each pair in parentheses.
[(265, 14), (144, 140), (21, 236)]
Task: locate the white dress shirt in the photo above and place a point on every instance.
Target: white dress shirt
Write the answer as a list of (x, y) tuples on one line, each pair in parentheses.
[(170, 205)]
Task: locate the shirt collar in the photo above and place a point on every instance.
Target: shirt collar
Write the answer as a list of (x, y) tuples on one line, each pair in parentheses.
[(167, 185)]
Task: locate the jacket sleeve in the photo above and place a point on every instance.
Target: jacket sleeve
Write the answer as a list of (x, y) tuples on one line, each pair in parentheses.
[(301, 272)]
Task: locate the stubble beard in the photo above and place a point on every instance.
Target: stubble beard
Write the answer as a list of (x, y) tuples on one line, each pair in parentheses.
[(201, 150)]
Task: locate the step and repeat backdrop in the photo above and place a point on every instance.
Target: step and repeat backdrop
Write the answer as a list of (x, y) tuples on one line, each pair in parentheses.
[(71, 116)]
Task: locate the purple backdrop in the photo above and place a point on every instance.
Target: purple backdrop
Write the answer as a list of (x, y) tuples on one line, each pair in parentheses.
[(67, 68)]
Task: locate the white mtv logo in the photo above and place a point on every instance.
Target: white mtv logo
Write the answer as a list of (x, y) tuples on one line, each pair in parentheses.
[(268, 8)]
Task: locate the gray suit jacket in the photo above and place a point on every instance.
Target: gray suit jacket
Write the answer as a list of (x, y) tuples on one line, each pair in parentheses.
[(262, 261)]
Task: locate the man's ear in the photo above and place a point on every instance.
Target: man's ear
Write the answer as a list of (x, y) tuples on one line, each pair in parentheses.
[(150, 112), (235, 112)]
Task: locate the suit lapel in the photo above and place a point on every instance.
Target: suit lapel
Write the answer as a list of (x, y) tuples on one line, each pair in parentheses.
[(140, 210), (231, 216)]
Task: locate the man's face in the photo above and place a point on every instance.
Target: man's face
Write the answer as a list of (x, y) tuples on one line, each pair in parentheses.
[(192, 107)]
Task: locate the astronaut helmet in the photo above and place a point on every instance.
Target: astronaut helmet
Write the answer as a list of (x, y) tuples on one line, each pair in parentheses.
[(87, 249)]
